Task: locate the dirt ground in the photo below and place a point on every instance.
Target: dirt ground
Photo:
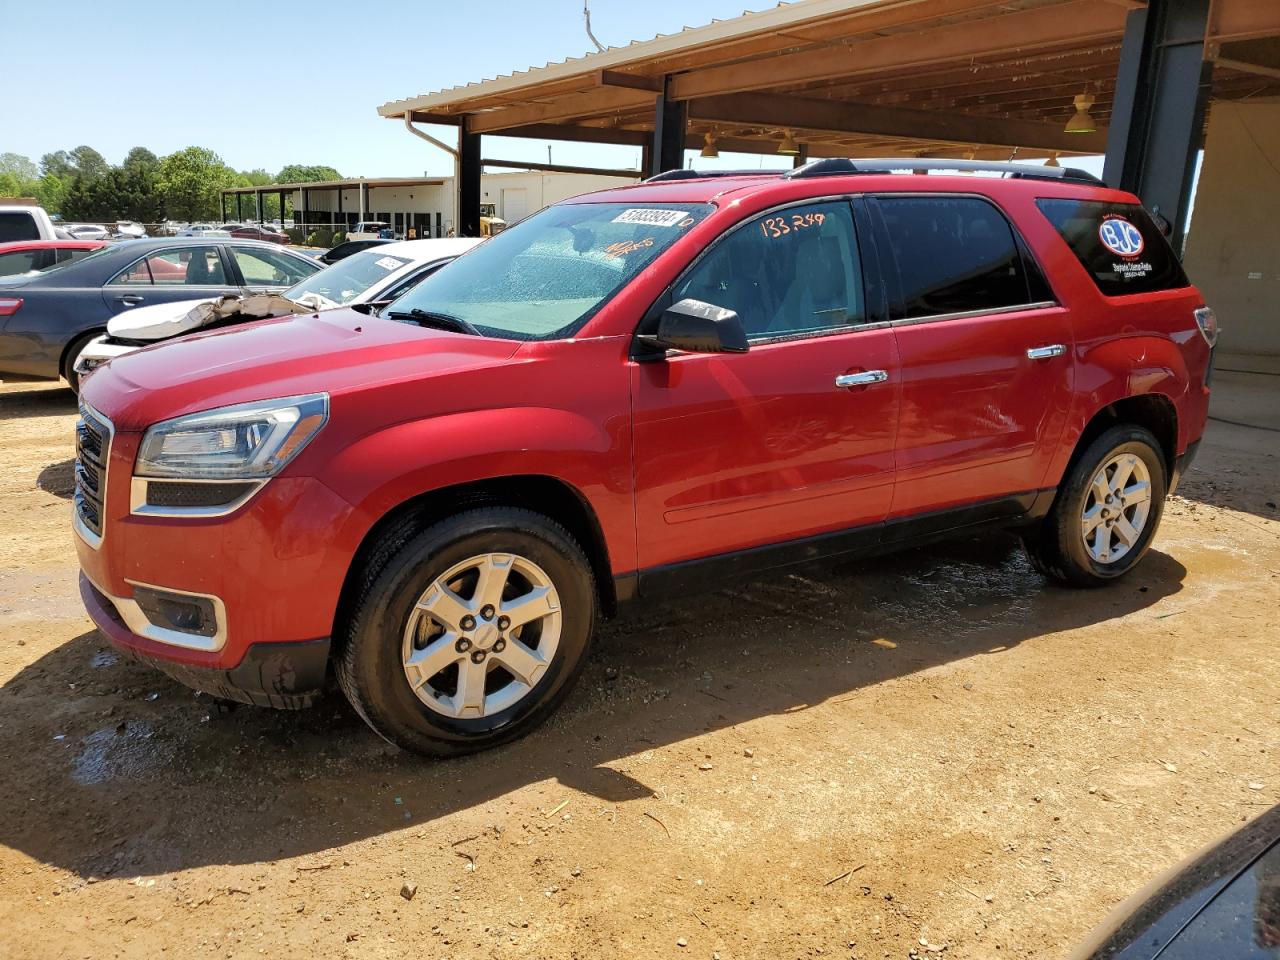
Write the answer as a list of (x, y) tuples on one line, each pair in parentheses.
[(932, 754)]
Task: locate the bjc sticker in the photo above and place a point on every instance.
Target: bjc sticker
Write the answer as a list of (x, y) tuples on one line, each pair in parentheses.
[(1121, 237), (651, 218)]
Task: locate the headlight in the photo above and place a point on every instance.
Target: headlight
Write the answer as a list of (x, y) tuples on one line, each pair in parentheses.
[(245, 441)]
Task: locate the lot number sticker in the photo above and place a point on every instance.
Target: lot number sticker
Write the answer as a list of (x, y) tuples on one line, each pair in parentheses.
[(1121, 237), (651, 218), (388, 263)]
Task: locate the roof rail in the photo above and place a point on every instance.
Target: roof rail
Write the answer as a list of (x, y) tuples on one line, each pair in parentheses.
[(837, 166), (701, 174)]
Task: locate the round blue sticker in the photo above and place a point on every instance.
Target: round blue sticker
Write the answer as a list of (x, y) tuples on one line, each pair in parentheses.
[(1121, 237)]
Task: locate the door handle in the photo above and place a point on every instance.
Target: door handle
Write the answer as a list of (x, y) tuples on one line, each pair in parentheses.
[(130, 299), (1045, 353), (863, 379)]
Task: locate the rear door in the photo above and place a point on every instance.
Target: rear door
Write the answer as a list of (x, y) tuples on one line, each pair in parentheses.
[(986, 355), (791, 439), (179, 273)]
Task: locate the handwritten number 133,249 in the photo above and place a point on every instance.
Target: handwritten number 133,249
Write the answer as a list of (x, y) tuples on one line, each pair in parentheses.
[(774, 227)]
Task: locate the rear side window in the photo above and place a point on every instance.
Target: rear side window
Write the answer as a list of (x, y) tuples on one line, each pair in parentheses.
[(18, 226), (954, 255), (1118, 244)]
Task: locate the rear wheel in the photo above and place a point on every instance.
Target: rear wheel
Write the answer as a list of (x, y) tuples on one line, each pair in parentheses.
[(469, 633), (1106, 512)]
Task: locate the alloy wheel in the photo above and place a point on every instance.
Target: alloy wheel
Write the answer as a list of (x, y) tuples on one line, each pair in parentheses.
[(1116, 508)]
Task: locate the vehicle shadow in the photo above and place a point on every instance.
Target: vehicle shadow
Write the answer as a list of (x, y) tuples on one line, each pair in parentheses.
[(58, 479), (22, 400), (111, 768)]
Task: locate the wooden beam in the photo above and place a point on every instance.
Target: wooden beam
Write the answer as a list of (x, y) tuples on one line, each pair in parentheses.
[(614, 78), (1078, 22), (1254, 68), (576, 133), (1243, 20), (602, 101), (561, 168), (775, 110)]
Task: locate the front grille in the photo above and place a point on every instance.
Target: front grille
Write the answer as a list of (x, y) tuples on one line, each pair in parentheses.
[(93, 447)]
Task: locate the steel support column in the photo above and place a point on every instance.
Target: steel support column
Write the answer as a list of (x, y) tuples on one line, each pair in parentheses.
[(222, 206), (1157, 121), (468, 186), (239, 208), (670, 120)]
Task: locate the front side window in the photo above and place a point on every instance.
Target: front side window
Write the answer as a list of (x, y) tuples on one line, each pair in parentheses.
[(186, 266), (268, 268), (954, 255), (790, 272), (547, 276), (1118, 244), (345, 280)]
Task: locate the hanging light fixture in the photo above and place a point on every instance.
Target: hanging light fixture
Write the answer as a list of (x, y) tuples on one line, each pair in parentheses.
[(788, 147), (1082, 121), (709, 146), (1052, 161)]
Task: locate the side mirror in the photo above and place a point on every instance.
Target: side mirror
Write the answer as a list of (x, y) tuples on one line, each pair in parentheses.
[(698, 327)]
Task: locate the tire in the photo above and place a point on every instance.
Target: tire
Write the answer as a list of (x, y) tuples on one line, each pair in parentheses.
[(72, 355), (1060, 548), (380, 633)]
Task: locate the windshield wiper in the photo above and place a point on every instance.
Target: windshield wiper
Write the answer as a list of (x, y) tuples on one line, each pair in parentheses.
[(441, 321)]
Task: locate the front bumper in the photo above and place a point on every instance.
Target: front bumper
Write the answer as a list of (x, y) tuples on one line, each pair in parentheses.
[(97, 353), (289, 676)]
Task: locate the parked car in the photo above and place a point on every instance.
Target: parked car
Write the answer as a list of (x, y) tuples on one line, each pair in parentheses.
[(254, 231), (88, 231), (25, 222), (348, 247), (371, 230), (129, 230), (631, 395), (203, 230), (48, 318), (1222, 905), (370, 277), (36, 256)]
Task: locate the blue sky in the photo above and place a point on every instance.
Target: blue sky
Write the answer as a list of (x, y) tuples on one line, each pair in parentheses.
[(269, 83)]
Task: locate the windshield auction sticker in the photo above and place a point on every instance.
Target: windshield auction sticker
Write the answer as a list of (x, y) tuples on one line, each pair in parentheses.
[(651, 218), (389, 263)]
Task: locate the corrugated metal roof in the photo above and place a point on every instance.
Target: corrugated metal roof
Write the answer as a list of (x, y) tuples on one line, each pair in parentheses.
[(784, 15)]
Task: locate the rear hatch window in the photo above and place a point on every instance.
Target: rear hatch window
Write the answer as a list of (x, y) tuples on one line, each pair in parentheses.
[(1118, 243), (18, 226)]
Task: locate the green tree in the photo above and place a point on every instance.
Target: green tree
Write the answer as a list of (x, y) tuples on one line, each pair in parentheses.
[(57, 164), (190, 182), (270, 201), (51, 191), (302, 173), (18, 165), (88, 162), (136, 184)]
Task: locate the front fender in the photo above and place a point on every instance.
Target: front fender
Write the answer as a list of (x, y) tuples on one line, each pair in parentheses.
[(389, 467)]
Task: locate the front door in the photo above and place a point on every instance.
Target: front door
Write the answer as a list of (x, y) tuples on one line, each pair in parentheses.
[(986, 356), (791, 439)]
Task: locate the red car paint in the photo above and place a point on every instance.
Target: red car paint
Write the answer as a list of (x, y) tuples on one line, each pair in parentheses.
[(699, 455)]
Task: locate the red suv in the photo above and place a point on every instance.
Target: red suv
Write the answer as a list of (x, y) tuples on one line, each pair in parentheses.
[(624, 396)]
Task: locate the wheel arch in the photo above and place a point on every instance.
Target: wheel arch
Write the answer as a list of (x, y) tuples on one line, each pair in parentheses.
[(550, 496), (1154, 411)]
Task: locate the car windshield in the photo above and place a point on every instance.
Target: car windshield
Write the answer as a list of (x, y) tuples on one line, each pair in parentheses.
[(341, 283), (545, 277)]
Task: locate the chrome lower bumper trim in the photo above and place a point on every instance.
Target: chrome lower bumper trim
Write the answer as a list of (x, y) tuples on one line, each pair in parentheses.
[(137, 622)]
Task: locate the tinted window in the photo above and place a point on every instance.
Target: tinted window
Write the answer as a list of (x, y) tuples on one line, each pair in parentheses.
[(791, 272), (1118, 244), (954, 255), (18, 226), (23, 261), (187, 266)]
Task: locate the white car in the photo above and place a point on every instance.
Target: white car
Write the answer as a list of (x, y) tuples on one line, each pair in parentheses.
[(203, 230), (377, 275)]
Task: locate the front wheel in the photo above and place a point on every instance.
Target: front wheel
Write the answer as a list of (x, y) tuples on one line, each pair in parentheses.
[(469, 633), (1106, 512), (73, 354)]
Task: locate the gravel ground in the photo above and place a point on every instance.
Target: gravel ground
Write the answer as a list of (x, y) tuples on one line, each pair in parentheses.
[(931, 754)]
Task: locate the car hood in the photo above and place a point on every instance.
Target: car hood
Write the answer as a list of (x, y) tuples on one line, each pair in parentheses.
[(335, 352), (156, 322)]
